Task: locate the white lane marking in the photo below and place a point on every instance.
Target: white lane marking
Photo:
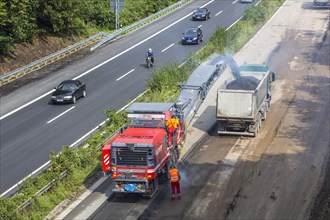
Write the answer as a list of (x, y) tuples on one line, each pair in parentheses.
[(218, 13), (234, 2), (234, 23), (50, 121), (101, 64), (199, 26), (125, 74), (27, 104), (167, 48)]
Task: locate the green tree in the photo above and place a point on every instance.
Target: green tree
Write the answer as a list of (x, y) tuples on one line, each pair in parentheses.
[(61, 16)]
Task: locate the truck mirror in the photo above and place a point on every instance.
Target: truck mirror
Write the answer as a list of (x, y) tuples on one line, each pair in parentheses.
[(273, 76)]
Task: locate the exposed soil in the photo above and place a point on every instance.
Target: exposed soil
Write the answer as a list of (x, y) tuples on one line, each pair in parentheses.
[(28, 53), (25, 54)]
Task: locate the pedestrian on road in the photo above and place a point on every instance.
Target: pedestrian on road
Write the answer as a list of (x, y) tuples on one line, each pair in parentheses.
[(175, 181)]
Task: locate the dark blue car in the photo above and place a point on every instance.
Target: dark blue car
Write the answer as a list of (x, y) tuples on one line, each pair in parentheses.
[(192, 35)]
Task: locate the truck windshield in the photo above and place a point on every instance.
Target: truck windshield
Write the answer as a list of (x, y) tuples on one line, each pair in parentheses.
[(146, 120)]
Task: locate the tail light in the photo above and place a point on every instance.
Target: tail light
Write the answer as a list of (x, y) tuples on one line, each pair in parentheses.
[(150, 174), (114, 172)]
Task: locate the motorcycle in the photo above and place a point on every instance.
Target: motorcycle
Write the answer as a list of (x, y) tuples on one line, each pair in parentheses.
[(149, 62)]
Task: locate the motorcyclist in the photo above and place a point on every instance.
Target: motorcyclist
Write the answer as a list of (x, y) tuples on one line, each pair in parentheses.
[(150, 54)]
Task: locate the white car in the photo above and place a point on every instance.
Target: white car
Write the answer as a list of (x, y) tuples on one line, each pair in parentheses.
[(247, 1)]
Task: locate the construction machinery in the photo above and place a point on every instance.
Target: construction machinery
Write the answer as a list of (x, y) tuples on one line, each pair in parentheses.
[(140, 155), (245, 101)]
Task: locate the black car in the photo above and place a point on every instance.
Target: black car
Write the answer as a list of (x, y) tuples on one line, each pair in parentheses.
[(68, 92), (321, 4), (201, 14), (192, 35)]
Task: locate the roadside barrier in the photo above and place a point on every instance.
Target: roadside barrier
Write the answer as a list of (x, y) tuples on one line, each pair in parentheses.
[(101, 37), (20, 72)]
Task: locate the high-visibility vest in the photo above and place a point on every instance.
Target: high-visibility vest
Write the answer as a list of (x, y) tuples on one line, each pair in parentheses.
[(173, 122), (174, 175)]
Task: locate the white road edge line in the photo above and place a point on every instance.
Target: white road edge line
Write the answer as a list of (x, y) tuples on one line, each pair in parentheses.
[(50, 121), (101, 64), (182, 64), (218, 13), (234, 23), (257, 3), (125, 74), (167, 48), (234, 2), (20, 182), (48, 162), (27, 104)]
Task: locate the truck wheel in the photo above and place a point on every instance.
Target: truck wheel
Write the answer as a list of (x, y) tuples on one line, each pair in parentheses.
[(221, 126), (259, 121), (256, 129), (264, 115)]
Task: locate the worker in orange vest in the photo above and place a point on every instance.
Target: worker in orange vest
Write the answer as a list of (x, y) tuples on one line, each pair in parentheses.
[(175, 181)]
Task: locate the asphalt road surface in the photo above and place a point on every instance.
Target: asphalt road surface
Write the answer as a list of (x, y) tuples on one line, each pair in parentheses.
[(114, 75)]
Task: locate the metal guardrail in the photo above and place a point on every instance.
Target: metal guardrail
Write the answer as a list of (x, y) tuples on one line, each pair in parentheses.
[(11, 76), (4, 79)]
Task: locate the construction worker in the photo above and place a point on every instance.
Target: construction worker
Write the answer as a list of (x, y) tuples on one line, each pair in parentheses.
[(175, 181), (172, 124)]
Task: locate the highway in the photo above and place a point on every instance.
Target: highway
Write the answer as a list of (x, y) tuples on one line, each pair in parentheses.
[(114, 75)]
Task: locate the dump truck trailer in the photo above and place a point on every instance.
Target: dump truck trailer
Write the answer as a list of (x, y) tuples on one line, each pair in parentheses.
[(244, 103)]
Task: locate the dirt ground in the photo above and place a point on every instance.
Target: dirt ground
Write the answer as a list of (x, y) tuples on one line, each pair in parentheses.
[(42, 73), (28, 53)]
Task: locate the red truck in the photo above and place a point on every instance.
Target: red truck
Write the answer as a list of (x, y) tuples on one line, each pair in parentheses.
[(138, 157)]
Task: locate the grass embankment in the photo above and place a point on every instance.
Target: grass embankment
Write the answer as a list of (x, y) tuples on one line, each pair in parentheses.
[(84, 163)]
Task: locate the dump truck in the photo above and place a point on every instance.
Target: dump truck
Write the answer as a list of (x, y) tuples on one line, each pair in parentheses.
[(244, 102), (139, 156)]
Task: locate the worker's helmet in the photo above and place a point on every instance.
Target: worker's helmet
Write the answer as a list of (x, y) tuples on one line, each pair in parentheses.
[(150, 50)]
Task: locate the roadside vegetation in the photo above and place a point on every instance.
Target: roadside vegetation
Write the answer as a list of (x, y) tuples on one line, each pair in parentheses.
[(21, 21), (80, 165)]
